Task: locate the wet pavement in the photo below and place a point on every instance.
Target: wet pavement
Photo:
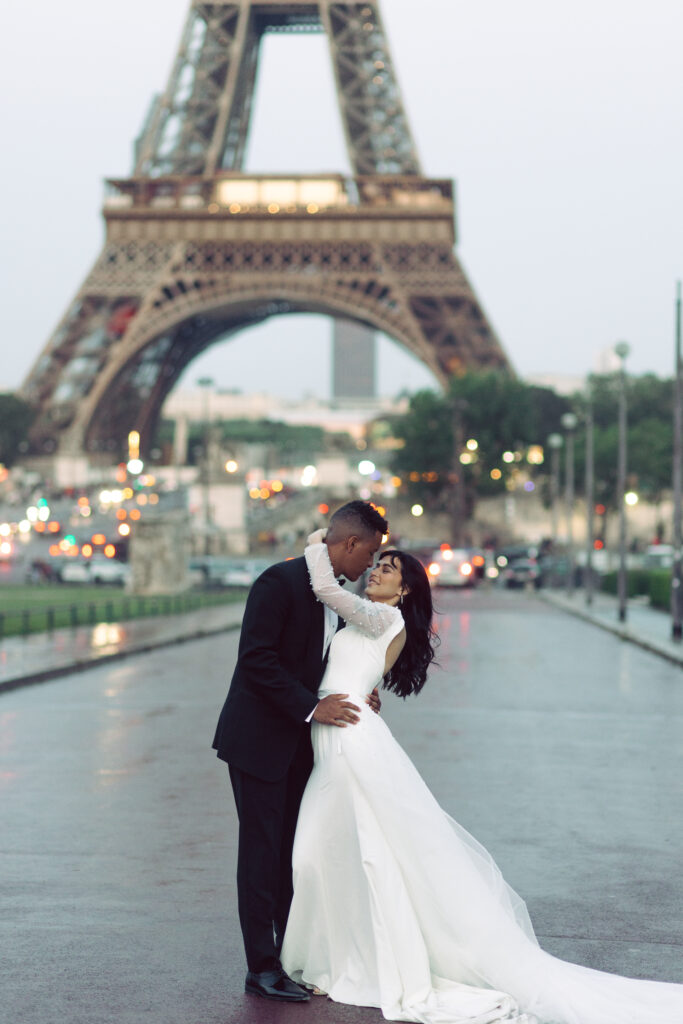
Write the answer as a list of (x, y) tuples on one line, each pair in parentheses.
[(41, 657), (648, 627), (556, 744)]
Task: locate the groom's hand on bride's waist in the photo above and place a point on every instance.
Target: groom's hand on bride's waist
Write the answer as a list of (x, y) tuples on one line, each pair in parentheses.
[(335, 709)]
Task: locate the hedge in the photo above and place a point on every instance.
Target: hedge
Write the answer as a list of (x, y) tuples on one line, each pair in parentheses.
[(637, 582), (653, 583), (660, 588)]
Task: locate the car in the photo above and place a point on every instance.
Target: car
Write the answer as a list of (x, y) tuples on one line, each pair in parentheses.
[(243, 572), (95, 570), (658, 556), (208, 570), (553, 571), (520, 572), (452, 567), (477, 556), (40, 570), (75, 572)]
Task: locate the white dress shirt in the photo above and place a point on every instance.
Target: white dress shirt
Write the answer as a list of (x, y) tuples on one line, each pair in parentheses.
[(331, 624)]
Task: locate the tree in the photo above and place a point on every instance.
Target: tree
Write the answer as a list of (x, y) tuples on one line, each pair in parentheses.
[(425, 458), (498, 412), (649, 435), (283, 442), (16, 417), (286, 442)]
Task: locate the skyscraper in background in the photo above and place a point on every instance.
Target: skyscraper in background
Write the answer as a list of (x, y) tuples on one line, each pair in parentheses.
[(354, 360)]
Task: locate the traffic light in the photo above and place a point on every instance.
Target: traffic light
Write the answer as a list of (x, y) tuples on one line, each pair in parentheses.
[(601, 512)]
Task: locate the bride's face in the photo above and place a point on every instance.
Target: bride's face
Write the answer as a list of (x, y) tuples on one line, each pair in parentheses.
[(385, 582)]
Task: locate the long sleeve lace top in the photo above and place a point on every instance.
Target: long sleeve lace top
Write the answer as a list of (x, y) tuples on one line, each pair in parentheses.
[(372, 617)]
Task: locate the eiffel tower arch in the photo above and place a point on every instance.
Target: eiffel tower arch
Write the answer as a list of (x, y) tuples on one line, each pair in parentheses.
[(196, 249)]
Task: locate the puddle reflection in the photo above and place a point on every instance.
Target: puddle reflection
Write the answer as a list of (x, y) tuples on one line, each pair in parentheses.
[(7, 719), (106, 636)]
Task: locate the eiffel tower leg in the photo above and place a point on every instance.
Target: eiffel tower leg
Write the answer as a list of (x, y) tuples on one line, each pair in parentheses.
[(378, 135), (200, 123)]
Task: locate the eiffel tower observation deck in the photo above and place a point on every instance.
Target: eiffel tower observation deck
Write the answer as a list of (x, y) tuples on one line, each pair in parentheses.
[(196, 249)]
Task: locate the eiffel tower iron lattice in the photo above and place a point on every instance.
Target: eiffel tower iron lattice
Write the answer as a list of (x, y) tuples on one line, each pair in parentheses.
[(196, 249)]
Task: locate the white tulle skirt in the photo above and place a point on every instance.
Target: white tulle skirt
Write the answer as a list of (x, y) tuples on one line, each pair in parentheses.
[(396, 906)]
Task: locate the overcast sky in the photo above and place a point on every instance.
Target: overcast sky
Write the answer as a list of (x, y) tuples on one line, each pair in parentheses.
[(561, 123)]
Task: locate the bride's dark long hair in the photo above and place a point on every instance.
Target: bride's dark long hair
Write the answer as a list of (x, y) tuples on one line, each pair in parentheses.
[(409, 672)]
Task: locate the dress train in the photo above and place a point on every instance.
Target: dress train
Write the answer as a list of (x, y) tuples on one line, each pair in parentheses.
[(395, 905)]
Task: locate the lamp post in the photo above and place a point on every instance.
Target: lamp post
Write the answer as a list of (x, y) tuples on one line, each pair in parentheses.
[(458, 406), (555, 442), (677, 569), (622, 350), (589, 488), (206, 383), (569, 422)]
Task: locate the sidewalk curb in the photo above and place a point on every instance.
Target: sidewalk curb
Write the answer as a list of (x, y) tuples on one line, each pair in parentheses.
[(623, 632), (45, 675)]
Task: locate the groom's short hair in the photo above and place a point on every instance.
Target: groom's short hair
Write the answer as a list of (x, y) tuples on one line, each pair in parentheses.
[(358, 517)]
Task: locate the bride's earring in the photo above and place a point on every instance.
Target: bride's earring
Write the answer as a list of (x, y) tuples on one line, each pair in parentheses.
[(400, 600)]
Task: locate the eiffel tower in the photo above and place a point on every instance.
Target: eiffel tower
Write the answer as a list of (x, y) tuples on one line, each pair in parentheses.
[(196, 249)]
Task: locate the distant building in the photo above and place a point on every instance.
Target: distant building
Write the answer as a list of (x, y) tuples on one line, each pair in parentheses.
[(194, 406), (606, 361), (354, 360), (562, 383)]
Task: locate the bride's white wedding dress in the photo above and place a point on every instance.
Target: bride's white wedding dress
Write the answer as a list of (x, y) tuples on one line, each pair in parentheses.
[(395, 905)]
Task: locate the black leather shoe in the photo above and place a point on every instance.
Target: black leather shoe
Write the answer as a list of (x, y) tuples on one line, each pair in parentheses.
[(275, 985)]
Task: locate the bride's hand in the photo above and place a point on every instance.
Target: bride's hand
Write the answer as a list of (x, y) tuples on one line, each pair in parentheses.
[(316, 538), (373, 700)]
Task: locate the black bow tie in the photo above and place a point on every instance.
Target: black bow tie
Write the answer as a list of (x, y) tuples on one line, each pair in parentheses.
[(342, 581)]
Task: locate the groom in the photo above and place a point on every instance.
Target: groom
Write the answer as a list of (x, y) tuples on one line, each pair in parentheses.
[(264, 735)]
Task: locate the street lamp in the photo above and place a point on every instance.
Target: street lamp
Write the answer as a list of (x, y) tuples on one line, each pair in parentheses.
[(458, 406), (622, 350), (590, 497), (555, 442), (569, 422), (677, 569), (206, 383)]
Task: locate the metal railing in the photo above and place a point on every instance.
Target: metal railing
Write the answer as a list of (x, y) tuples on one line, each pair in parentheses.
[(46, 618)]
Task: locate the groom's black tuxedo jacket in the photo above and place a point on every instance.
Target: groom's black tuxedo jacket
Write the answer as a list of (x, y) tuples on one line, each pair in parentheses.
[(278, 671)]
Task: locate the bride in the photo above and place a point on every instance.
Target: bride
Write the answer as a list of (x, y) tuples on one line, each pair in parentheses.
[(395, 905)]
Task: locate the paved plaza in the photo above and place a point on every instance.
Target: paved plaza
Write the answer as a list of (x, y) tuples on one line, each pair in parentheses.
[(558, 745)]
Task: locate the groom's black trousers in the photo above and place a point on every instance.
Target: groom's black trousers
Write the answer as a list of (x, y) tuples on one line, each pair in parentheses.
[(267, 814)]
